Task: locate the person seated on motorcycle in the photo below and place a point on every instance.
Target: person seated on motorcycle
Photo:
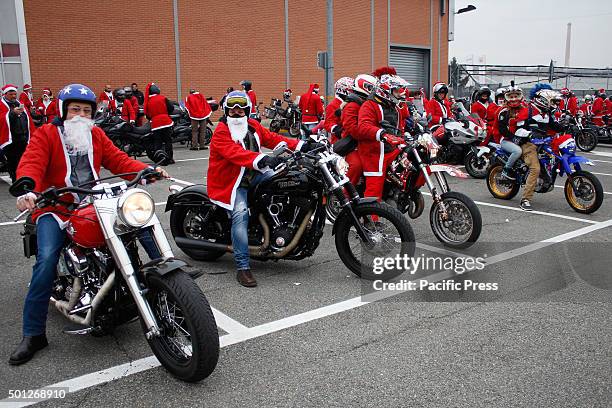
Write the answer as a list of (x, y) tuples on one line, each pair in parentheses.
[(333, 111), (587, 106), (608, 116), (129, 96), (237, 164), (380, 127), (157, 108), (481, 105), (513, 104), (439, 107), (599, 109), (569, 103), (287, 96), (71, 139), (120, 106), (362, 88)]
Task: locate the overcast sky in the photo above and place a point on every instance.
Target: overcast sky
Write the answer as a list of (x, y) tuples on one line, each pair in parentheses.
[(532, 32)]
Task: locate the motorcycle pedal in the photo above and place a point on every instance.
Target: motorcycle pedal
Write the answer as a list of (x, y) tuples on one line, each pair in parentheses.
[(77, 329)]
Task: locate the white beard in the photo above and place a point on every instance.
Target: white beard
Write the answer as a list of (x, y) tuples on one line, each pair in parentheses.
[(77, 135), (238, 128)]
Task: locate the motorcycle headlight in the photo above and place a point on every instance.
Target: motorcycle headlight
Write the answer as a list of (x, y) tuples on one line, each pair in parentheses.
[(341, 166), (136, 208)]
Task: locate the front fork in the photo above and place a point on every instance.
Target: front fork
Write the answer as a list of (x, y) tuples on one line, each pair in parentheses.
[(430, 184)]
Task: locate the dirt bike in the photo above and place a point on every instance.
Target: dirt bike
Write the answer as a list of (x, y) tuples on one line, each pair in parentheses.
[(288, 216), (102, 282)]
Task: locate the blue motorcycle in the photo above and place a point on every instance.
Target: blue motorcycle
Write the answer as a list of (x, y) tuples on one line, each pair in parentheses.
[(557, 156)]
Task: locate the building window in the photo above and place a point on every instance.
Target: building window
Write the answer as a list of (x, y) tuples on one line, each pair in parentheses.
[(11, 60)]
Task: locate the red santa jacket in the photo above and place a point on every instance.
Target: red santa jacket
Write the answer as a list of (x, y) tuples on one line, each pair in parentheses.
[(105, 96), (438, 111), (253, 98), (5, 128), (311, 106), (492, 110), (480, 109), (493, 130), (26, 99), (45, 161), (350, 120), (229, 160), (587, 109), (134, 101), (599, 110), (608, 106), (127, 110), (332, 119), (197, 106), (371, 147), (570, 105), (156, 110), (48, 112)]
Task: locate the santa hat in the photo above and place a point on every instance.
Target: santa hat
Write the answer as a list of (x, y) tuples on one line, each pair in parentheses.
[(27, 87), (46, 91), (384, 71), (8, 88)]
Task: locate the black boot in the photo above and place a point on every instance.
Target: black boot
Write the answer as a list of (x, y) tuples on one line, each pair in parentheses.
[(27, 348)]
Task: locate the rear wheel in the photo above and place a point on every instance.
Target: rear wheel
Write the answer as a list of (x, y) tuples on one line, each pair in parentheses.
[(208, 136), (476, 166), (583, 192), (499, 186), (387, 228), (190, 222), (294, 130), (188, 346), (455, 220)]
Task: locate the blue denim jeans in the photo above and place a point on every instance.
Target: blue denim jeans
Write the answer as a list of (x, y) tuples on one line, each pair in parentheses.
[(50, 239), (514, 150), (240, 222)]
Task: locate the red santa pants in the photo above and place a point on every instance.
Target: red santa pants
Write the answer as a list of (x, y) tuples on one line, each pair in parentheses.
[(375, 184), (355, 167)]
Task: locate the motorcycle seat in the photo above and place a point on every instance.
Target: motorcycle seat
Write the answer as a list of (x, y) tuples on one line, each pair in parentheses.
[(142, 130)]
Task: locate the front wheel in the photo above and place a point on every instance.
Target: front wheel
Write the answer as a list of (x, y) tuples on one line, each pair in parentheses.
[(274, 126), (294, 130), (499, 186), (586, 141), (455, 220), (583, 192), (388, 230), (188, 346), (476, 166)]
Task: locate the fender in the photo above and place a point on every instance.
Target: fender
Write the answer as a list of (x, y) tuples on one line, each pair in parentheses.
[(163, 267), (451, 170), (343, 211), (197, 192), (482, 150), (567, 161)]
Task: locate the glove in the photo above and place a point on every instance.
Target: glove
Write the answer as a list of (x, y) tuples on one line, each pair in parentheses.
[(338, 131), (308, 147), (270, 161), (393, 140)]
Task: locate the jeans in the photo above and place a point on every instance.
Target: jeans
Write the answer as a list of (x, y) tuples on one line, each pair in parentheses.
[(50, 240), (514, 150), (240, 222), (308, 126)]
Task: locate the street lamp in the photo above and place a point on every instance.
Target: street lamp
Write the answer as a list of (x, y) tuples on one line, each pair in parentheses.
[(470, 7)]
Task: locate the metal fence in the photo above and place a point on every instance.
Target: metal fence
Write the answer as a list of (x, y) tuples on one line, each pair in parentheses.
[(464, 79)]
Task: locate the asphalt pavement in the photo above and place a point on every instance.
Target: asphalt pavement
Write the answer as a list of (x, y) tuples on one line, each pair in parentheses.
[(305, 336)]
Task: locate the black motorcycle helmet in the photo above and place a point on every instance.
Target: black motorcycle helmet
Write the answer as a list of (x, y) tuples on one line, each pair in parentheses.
[(482, 92), (246, 84), (128, 91), (120, 94)]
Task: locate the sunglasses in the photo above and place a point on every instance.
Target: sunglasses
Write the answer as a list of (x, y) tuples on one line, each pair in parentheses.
[(237, 101)]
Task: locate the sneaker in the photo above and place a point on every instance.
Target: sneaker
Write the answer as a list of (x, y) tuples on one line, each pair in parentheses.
[(506, 173), (526, 205)]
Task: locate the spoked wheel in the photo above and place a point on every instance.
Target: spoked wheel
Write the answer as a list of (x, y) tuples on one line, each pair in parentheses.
[(583, 192), (188, 346), (274, 126), (332, 208), (477, 166), (455, 220), (586, 141), (294, 130), (389, 232), (499, 186), (191, 222)]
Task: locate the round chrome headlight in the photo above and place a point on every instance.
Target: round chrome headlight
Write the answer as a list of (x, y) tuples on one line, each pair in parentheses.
[(136, 208), (341, 166)]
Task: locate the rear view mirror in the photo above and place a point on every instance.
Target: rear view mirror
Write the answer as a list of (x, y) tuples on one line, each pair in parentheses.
[(22, 186)]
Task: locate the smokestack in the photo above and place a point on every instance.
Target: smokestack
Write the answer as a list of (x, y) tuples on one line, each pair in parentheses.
[(567, 44)]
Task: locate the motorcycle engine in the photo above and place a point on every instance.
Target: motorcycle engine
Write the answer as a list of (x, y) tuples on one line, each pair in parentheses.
[(285, 213)]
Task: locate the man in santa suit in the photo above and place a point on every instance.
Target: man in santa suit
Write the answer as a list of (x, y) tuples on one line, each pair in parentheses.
[(363, 86), (157, 108), (237, 164), (569, 102), (26, 97), (608, 106), (106, 95), (16, 126), (123, 107), (377, 144), (46, 106), (70, 151), (129, 96), (438, 107), (587, 106), (333, 111), (311, 106), (481, 105), (599, 108), (199, 111)]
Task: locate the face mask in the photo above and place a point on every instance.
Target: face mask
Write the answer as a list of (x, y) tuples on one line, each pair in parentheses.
[(77, 134), (316, 90), (238, 127)]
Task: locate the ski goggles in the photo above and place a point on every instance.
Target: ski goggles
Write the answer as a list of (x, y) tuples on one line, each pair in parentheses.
[(237, 101)]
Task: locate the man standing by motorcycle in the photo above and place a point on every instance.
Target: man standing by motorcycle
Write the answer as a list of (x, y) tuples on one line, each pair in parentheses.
[(71, 140), (363, 86), (439, 107), (106, 95), (376, 142), (569, 102), (311, 106), (26, 97), (46, 106), (123, 107), (15, 128), (334, 109), (199, 111), (236, 165), (481, 105), (587, 106), (157, 108)]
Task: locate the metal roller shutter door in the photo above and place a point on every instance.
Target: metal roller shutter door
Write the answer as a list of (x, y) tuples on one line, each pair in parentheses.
[(412, 64)]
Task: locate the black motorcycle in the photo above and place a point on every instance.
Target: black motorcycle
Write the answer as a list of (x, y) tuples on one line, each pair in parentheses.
[(288, 216), (181, 130), (289, 118), (586, 136)]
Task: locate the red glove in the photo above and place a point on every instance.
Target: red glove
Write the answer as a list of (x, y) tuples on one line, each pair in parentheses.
[(394, 140)]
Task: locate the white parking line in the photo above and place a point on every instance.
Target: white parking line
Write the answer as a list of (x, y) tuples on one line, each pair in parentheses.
[(601, 161), (243, 333), (601, 174), (186, 160), (605, 154)]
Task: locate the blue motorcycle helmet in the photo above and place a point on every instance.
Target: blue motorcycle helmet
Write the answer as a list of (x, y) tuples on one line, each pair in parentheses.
[(75, 93)]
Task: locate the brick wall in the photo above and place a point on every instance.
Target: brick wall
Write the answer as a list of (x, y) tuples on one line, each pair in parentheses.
[(119, 42)]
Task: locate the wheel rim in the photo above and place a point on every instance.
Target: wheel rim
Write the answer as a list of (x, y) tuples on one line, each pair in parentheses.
[(332, 208), (457, 226), (195, 227), (585, 195), (500, 186), (479, 165), (175, 333), (386, 238)]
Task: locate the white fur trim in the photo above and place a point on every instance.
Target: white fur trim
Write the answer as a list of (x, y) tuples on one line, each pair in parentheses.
[(380, 132), (300, 144), (161, 127), (380, 163), (8, 124), (257, 160)]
